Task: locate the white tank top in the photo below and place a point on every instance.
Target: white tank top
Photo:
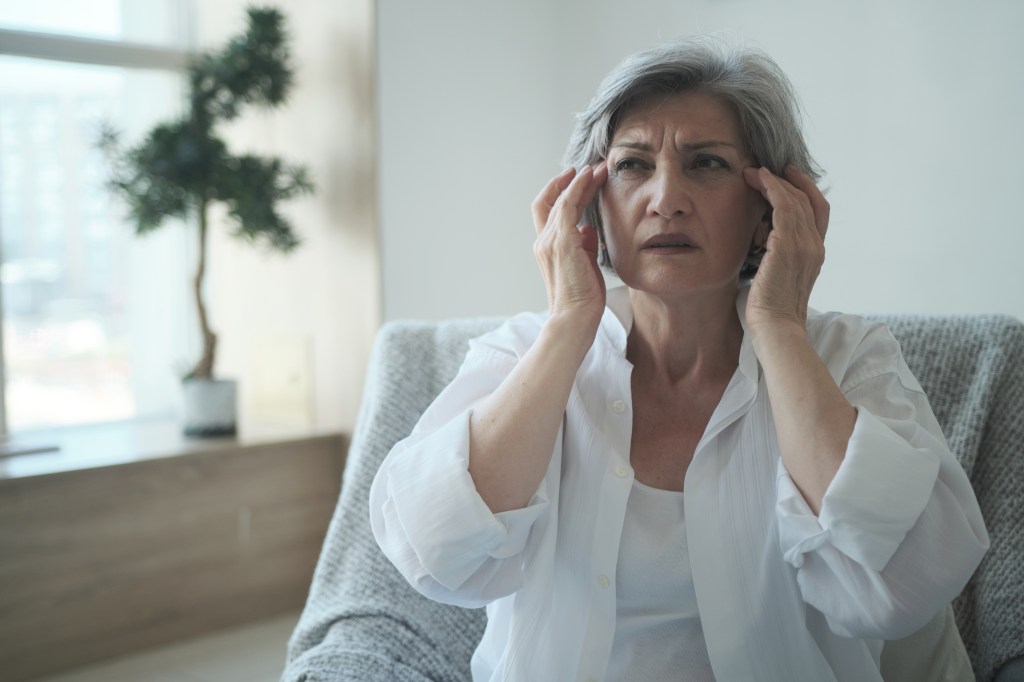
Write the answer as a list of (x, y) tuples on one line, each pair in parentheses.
[(658, 635)]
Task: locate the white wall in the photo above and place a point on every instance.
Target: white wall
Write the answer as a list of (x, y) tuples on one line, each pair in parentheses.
[(914, 108), (466, 104)]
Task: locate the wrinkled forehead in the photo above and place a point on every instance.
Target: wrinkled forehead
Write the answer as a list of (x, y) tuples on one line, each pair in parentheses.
[(692, 112)]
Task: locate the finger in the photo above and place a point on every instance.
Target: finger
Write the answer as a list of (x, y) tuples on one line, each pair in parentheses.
[(573, 194), (763, 180), (819, 204), (570, 203), (783, 196), (545, 201), (597, 180)]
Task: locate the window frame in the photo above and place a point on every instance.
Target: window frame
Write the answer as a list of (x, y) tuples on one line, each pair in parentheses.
[(96, 51)]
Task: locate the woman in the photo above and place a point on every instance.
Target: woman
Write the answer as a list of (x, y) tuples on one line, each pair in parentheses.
[(691, 475)]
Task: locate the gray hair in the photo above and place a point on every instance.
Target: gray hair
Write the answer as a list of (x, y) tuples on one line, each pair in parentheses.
[(747, 80)]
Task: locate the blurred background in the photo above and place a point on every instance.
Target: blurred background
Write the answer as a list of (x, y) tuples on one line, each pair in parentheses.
[(98, 324), (429, 129)]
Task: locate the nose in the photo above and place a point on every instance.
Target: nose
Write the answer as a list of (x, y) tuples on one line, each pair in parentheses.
[(670, 195)]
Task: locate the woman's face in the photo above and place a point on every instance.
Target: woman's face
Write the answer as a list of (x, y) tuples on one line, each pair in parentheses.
[(678, 216)]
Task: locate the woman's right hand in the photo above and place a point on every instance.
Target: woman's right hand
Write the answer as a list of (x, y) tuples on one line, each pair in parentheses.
[(514, 430), (567, 254)]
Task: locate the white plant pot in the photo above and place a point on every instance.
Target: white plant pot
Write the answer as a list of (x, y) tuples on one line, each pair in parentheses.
[(210, 407)]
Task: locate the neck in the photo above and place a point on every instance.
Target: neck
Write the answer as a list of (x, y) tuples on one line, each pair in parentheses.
[(688, 338)]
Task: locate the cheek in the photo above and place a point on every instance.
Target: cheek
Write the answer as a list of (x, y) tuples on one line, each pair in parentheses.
[(611, 219), (609, 206), (609, 197), (750, 212), (617, 201)]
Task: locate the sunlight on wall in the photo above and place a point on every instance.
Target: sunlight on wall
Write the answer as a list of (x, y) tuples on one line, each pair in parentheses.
[(325, 296)]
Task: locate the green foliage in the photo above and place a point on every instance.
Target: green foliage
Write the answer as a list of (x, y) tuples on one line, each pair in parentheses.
[(252, 69), (251, 188), (170, 174), (181, 166)]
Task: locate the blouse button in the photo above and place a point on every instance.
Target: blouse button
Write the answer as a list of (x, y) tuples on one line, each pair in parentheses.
[(602, 580), (621, 471), (618, 407)]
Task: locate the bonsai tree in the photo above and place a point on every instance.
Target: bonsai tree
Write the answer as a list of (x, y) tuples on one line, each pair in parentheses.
[(182, 166)]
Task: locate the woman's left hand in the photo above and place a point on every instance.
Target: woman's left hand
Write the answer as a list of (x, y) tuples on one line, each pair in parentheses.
[(795, 246)]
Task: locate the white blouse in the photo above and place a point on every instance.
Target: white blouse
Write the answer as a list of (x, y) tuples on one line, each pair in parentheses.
[(783, 594), (658, 635)]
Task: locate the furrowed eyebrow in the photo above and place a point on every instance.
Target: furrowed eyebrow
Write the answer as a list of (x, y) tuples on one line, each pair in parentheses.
[(639, 146), (697, 146)]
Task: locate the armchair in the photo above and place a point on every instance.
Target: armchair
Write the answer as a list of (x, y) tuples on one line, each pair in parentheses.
[(362, 621)]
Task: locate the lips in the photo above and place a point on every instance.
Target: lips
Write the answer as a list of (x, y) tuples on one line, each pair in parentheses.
[(673, 240)]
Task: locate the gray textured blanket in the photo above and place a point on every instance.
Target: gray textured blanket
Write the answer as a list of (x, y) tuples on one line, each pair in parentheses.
[(363, 623)]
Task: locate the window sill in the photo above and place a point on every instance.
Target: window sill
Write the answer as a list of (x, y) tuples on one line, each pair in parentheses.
[(87, 447)]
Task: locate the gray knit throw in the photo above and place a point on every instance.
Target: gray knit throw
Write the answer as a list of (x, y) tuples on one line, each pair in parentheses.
[(364, 623)]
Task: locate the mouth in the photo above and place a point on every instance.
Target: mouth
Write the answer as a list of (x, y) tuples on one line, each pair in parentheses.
[(665, 242)]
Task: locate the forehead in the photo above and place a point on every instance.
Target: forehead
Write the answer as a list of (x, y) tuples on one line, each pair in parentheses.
[(693, 115)]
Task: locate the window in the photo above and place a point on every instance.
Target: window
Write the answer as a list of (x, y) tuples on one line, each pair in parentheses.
[(93, 316)]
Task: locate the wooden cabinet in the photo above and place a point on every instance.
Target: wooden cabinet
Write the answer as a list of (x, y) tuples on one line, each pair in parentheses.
[(108, 560)]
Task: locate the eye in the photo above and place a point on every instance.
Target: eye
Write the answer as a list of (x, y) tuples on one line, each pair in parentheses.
[(709, 162), (629, 164)]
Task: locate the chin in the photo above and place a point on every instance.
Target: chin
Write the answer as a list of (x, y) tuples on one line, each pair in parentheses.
[(675, 284)]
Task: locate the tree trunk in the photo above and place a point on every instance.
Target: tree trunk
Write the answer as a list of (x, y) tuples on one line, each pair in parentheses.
[(204, 368)]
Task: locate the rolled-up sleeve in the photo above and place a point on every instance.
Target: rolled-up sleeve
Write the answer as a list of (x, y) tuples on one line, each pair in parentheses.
[(425, 511), (878, 494), (899, 532)]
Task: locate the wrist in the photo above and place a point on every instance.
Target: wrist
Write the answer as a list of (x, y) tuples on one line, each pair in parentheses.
[(573, 332), (778, 333)]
